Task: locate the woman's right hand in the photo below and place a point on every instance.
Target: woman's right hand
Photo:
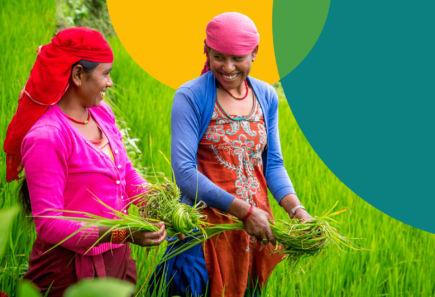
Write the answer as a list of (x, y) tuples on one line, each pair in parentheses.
[(257, 224), (147, 238)]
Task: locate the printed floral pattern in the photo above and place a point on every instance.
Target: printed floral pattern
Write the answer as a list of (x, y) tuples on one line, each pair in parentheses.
[(246, 187), (237, 144), (243, 148), (262, 132), (214, 133)]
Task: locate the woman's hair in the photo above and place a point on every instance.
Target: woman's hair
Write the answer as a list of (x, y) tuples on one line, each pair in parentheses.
[(24, 197), (88, 66), (23, 191)]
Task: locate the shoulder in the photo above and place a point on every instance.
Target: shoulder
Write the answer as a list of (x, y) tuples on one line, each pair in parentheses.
[(265, 90), (195, 94), (48, 127), (45, 134), (50, 120), (196, 88)]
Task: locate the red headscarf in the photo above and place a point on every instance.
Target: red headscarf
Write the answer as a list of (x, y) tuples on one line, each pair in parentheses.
[(47, 83), (232, 33)]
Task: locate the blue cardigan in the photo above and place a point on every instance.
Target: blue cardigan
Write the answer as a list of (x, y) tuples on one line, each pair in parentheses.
[(192, 110)]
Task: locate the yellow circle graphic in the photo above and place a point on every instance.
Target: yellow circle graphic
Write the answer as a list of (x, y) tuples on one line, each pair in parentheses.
[(167, 38)]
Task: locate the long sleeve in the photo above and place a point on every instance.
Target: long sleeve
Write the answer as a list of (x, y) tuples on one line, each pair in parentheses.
[(277, 177), (45, 158), (185, 125)]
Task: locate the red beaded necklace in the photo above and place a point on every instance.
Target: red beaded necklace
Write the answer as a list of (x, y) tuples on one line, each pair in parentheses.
[(247, 91), (80, 122)]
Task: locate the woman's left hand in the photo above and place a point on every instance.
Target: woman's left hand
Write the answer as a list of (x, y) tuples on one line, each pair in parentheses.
[(289, 202), (301, 214)]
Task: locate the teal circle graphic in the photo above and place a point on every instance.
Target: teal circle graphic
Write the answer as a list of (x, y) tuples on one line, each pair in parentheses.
[(365, 99)]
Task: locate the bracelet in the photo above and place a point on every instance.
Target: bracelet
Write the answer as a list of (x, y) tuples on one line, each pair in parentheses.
[(248, 214), (118, 236), (294, 209)]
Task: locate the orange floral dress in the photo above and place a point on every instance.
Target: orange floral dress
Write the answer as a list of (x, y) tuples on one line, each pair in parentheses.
[(230, 155)]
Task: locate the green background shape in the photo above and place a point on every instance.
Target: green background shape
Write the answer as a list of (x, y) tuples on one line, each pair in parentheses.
[(365, 99), (296, 27)]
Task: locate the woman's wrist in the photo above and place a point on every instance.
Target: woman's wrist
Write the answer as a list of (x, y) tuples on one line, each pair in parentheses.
[(251, 209), (115, 236), (239, 208), (289, 202), (104, 235)]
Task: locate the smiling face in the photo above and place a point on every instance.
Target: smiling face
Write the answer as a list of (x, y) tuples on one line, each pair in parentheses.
[(231, 71), (92, 85)]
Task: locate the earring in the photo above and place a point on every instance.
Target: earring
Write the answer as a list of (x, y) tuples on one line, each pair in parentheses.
[(80, 83), (253, 60)]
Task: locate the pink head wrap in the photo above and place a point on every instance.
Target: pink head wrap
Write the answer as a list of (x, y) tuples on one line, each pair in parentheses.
[(232, 33)]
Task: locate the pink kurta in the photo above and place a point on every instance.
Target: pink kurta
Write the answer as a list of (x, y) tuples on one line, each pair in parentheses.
[(64, 170)]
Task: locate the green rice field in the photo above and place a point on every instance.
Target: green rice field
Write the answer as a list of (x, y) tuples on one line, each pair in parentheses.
[(400, 260)]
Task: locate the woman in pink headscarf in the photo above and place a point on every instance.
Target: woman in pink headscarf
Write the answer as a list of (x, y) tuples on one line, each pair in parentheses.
[(225, 124)]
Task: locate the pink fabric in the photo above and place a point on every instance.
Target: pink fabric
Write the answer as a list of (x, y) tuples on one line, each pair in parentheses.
[(232, 33), (103, 144), (64, 170)]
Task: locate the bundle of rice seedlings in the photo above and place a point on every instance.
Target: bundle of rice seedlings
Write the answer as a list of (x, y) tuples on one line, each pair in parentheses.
[(122, 221), (162, 204), (295, 238)]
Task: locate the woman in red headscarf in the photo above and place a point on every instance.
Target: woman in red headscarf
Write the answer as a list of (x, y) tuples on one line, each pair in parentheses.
[(65, 137), (225, 125)]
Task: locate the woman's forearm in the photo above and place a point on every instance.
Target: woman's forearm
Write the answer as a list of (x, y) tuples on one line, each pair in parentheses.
[(238, 208), (289, 202)]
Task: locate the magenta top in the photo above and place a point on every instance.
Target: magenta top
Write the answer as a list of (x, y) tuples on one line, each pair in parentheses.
[(64, 170)]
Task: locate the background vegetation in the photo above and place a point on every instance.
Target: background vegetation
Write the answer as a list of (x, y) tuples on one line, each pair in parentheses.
[(401, 258)]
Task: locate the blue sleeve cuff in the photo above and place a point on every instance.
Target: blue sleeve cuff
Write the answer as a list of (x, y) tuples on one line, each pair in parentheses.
[(283, 192)]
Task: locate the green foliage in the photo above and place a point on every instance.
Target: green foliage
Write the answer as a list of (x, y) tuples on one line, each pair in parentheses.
[(27, 289), (108, 287), (25, 25), (6, 219), (84, 13)]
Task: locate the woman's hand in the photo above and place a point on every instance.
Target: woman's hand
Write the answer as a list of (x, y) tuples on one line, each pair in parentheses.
[(145, 238), (301, 214), (257, 224)]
